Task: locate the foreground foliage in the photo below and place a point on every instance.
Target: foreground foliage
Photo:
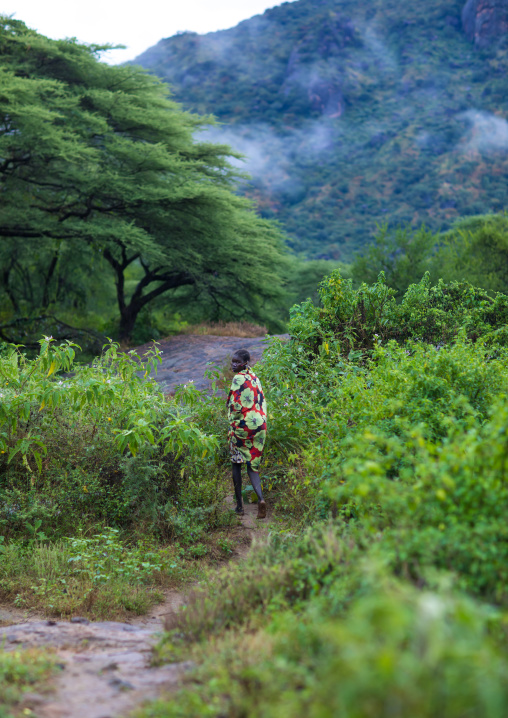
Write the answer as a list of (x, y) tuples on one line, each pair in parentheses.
[(103, 445), (392, 601), (99, 472), (21, 672), (383, 589)]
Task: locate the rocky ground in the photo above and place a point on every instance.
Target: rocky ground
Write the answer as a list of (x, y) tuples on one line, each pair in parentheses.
[(186, 357), (105, 668)]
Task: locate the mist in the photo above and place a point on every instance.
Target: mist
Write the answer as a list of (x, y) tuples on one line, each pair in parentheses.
[(486, 133), (270, 156)]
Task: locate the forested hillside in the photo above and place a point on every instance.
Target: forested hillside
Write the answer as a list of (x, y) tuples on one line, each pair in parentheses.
[(354, 113)]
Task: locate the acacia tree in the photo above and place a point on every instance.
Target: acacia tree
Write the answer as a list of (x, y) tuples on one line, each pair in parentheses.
[(97, 158)]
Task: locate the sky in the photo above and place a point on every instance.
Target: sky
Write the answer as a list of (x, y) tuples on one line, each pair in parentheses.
[(138, 25)]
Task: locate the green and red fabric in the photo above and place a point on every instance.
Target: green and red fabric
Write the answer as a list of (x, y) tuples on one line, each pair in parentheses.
[(247, 419)]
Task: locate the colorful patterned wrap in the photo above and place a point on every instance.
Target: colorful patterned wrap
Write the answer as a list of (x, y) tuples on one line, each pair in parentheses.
[(247, 418)]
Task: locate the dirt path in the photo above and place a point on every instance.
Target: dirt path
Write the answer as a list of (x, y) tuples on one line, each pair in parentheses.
[(105, 666)]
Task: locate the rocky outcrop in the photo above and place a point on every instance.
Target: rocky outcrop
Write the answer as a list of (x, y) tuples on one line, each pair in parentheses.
[(485, 21)]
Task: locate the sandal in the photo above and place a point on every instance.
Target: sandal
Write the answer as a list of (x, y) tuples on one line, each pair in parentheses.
[(261, 510)]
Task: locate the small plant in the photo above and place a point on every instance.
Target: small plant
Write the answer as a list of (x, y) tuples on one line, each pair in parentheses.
[(197, 551), (249, 495), (34, 533), (104, 557), (226, 545), (22, 671)]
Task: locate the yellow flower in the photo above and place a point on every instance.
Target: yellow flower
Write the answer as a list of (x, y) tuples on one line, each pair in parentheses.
[(110, 419), (85, 489)]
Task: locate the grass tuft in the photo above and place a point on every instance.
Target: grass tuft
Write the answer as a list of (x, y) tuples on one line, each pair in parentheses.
[(227, 329), (20, 672)]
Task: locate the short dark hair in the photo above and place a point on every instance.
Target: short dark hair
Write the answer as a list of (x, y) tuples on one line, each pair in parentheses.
[(243, 355)]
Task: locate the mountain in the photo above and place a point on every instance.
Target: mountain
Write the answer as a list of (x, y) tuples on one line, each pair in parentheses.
[(354, 113), (485, 21)]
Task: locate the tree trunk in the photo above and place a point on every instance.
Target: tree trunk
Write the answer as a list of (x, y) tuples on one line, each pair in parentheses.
[(6, 282), (129, 312), (128, 316), (48, 278), (165, 280)]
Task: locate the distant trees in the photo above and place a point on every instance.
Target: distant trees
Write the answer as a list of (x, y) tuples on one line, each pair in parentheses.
[(403, 255), (100, 174), (475, 249)]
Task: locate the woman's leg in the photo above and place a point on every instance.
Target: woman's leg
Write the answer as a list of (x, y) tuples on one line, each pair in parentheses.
[(237, 483), (256, 482), (256, 485)]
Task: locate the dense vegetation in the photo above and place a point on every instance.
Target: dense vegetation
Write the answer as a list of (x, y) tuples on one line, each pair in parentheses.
[(95, 482), (384, 593), (352, 114), (475, 247), (382, 586)]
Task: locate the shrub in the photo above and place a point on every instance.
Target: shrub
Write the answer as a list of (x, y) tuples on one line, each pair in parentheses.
[(95, 444), (20, 672), (445, 507), (101, 575), (391, 420), (397, 652), (354, 320)]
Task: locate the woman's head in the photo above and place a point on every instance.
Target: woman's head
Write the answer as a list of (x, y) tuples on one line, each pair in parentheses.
[(240, 359)]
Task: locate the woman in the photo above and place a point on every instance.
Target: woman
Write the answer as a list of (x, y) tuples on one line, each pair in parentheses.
[(247, 418)]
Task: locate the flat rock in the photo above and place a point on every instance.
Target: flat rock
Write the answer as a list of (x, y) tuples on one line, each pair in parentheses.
[(186, 357), (108, 635), (106, 667)]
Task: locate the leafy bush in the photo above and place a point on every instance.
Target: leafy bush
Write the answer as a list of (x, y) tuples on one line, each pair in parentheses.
[(397, 653), (100, 576), (412, 444), (367, 613), (355, 320), (82, 445), (103, 557), (439, 505), (20, 672), (284, 572)]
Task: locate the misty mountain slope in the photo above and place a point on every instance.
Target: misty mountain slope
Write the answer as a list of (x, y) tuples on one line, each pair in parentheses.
[(353, 113)]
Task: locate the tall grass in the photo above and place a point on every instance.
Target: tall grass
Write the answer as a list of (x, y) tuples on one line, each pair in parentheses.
[(227, 329)]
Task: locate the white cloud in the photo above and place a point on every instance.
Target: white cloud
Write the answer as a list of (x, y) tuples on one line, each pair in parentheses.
[(269, 156), (385, 58), (486, 133)]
